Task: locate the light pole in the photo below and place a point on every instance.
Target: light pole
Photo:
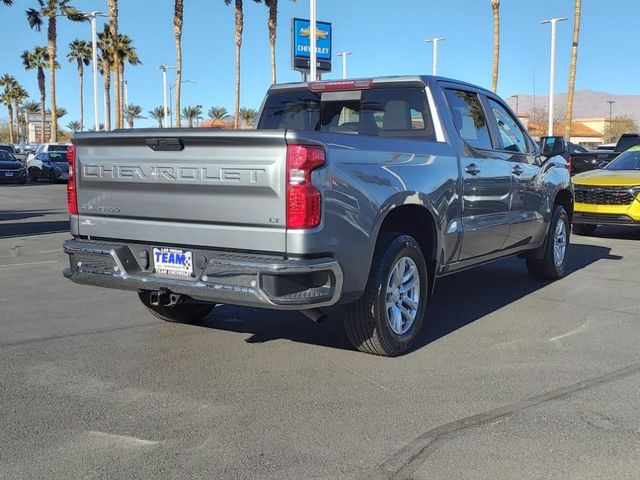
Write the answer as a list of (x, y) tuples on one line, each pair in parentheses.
[(94, 57), (171, 101), (313, 39), (434, 41), (164, 69), (344, 56), (552, 72), (610, 102), (517, 97)]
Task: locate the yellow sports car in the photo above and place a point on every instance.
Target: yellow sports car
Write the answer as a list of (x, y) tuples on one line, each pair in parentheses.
[(610, 196)]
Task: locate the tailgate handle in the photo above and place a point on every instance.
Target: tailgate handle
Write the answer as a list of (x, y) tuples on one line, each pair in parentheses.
[(165, 144)]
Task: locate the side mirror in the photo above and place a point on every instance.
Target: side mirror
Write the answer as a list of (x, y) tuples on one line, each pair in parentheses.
[(552, 146)]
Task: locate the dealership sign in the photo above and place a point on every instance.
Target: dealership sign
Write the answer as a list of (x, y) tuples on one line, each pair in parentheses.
[(301, 45)]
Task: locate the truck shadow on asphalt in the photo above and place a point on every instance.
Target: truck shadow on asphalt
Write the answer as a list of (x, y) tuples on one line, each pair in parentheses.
[(12, 226), (459, 300)]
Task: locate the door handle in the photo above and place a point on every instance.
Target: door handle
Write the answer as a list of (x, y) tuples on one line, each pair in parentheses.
[(472, 169), (518, 170)]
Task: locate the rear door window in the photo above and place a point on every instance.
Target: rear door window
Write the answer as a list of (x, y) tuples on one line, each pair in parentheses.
[(468, 118), (389, 112)]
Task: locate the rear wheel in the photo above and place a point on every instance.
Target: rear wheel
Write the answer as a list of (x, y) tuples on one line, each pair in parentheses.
[(552, 263), (584, 229), (390, 314), (52, 176), (179, 312)]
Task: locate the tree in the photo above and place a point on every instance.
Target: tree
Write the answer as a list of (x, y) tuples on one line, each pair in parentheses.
[(52, 9), (61, 112), (113, 31), (178, 14), (621, 124), (190, 113), (217, 113), (132, 113), (38, 59), (31, 107), (158, 115), (19, 95), (272, 24), (105, 63), (248, 116), (239, 18), (10, 85), (81, 53), (8, 3), (74, 126), (127, 53), (577, 13), (495, 6)]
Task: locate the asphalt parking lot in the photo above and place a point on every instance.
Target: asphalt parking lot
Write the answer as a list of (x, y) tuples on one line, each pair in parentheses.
[(514, 378)]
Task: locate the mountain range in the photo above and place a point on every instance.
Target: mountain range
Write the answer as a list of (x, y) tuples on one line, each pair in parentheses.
[(586, 104)]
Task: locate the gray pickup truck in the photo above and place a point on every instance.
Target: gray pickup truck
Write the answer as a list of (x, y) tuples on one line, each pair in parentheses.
[(359, 193)]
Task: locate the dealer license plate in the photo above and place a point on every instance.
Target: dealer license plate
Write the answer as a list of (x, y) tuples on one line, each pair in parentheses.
[(8, 174), (172, 261)]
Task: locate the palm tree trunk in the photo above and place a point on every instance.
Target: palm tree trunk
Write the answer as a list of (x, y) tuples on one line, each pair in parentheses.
[(273, 25), (495, 6), (239, 27), (113, 29), (107, 95), (10, 112), (572, 68), (81, 74), (51, 39), (43, 101), (177, 30)]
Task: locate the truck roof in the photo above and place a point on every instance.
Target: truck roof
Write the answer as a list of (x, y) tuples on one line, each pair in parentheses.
[(399, 79)]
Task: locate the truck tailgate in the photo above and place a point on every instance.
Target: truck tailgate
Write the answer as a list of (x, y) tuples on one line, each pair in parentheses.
[(178, 187)]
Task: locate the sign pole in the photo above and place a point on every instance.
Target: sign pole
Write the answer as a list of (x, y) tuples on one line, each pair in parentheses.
[(313, 34)]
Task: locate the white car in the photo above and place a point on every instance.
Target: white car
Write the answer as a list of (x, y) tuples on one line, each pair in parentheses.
[(49, 147)]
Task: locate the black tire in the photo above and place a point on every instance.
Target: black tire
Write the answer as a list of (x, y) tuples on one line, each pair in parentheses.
[(584, 228), (22, 181), (180, 313), (52, 176), (33, 175), (366, 320), (542, 264)]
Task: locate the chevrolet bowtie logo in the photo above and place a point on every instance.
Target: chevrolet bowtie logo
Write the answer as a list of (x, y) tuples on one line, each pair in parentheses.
[(320, 34)]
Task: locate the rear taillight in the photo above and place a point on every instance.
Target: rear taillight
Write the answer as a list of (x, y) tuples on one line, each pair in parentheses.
[(304, 202), (570, 162), (72, 197)]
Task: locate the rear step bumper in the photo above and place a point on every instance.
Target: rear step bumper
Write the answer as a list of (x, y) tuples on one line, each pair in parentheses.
[(221, 277)]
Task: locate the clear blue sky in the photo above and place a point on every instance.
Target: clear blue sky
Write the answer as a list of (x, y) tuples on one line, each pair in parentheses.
[(386, 38)]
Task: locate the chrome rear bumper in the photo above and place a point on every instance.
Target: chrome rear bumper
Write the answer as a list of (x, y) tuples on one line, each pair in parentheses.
[(220, 277)]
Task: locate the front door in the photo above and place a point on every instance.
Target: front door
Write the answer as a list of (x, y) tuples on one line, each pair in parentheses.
[(486, 179)]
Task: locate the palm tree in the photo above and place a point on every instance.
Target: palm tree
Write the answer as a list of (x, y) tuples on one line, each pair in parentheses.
[(217, 113), (577, 13), (158, 115), (113, 30), (19, 95), (132, 113), (74, 126), (239, 17), (248, 116), (105, 63), (10, 85), (38, 59), (52, 9), (61, 112), (127, 53), (178, 12), (31, 107), (7, 2), (190, 113), (272, 5), (495, 6), (80, 52)]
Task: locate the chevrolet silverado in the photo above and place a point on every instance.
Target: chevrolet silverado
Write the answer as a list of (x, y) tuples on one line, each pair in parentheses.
[(359, 193)]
